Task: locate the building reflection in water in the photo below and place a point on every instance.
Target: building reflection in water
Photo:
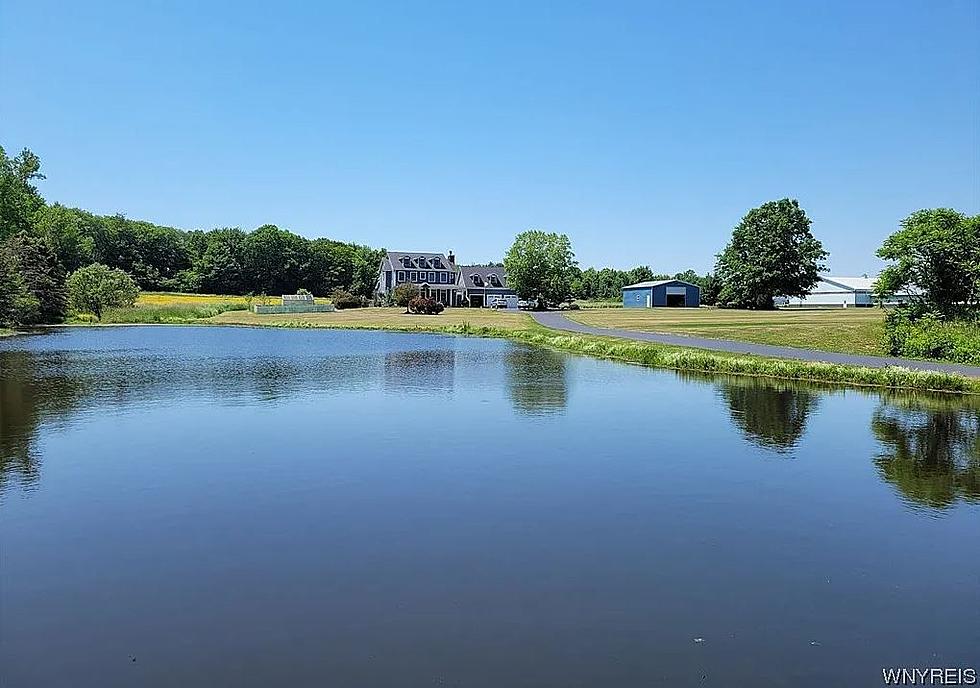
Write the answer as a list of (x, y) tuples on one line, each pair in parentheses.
[(420, 371)]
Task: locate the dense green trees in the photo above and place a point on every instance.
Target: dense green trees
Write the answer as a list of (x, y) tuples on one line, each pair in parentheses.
[(607, 283), (772, 253), (936, 267), (540, 265), (936, 261), (267, 260), (41, 275), (19, 198)]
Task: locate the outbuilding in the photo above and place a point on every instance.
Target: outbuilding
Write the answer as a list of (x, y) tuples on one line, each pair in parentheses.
[(669, 293)]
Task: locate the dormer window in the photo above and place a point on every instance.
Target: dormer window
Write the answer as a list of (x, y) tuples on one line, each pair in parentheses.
[(477, 280), (493, 280), (422, 262)]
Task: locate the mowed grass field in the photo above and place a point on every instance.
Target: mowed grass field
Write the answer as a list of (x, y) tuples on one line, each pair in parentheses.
[(382, 318), (851, 330)]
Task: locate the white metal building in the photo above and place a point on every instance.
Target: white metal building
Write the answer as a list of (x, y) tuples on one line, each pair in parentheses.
[(843, 292)]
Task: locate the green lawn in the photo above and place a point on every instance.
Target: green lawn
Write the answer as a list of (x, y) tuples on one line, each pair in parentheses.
[(853, 330)]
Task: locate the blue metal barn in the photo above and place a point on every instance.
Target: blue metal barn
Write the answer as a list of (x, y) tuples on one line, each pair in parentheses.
[(662, 293)]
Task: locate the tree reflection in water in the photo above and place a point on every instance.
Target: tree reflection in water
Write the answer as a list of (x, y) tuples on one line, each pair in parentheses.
[(536, 380), (28, 397), (770, 414), (932, 449)]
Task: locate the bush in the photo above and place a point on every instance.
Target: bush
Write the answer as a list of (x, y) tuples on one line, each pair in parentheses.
[(95, 288), (929, 336), (344, 299), (421, 305), (404, 293)]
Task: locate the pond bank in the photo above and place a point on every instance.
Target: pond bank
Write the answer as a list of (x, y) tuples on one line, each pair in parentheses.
[(522, 328)]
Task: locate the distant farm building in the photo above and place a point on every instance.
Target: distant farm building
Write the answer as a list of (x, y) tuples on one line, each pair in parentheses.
[(295, 303), (667, 293), (841, 292)]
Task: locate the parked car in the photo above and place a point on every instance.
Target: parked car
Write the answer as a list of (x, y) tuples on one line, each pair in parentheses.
[(525, 305), (498, 303)]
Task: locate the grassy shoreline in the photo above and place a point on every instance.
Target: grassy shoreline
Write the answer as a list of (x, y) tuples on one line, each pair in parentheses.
[(522, 328)]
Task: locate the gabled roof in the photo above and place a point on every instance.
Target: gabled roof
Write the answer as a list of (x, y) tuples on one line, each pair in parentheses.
[(657, 283), (466, 273), (393, 261), (849, 283)]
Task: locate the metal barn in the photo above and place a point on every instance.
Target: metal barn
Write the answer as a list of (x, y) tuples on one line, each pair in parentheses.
[(667, 293)]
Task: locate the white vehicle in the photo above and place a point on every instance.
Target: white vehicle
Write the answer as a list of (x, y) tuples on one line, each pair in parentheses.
[(507, 301)]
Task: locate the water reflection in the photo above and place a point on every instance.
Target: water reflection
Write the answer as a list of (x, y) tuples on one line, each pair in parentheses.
[(422, 371), (770, 414), (932, 450), (29, 395), (537, 380)]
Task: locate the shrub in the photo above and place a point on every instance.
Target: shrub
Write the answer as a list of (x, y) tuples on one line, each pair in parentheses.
[(404, 293), (421, 305), (96, 287), (344, 299), (929, 336)]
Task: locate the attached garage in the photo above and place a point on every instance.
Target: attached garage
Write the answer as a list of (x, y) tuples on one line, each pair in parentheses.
[(666, 293)]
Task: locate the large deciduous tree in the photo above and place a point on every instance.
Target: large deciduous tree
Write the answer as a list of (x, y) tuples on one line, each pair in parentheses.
[(96, 287), (19, 198), (541, 265), (772, 253), (936, 260)]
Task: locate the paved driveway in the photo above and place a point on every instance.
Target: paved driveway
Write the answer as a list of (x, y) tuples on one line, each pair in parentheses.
[(558, 321)]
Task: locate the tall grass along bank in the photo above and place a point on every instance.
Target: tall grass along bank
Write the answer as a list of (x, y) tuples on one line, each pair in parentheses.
[(149, 314), (680, 358)]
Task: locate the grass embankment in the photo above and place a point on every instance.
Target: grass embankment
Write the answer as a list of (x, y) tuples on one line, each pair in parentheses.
[(520, 327), (850, 330), (6, 333), (228, 310)]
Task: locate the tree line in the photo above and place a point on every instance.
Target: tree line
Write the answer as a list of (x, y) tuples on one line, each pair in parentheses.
[(41, 244)]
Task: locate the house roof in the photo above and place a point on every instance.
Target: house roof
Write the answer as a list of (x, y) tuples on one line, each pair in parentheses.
[(393, 261), (466, 273), (849, 283), (657, 283)]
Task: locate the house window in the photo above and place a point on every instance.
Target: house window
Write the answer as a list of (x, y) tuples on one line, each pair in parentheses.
[(432, 277), (493, 279), (414, 276), (476, 280), (443, 277), (421, 262), (401, 275)]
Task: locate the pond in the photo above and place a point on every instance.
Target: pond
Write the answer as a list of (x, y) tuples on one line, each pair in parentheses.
[(256, 507)]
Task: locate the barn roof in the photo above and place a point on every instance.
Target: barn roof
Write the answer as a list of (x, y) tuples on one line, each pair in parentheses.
[(850, 283), (657, 283)]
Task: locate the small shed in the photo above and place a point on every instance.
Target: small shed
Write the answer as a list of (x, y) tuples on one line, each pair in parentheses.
[(668, 293)]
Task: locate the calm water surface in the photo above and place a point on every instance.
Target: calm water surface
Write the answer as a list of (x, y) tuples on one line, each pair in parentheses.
[(246, 507)]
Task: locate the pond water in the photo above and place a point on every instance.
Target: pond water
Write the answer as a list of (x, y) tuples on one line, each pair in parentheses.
[(256, 507)]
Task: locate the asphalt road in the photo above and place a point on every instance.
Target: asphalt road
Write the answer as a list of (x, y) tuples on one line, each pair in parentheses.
[(558, 321)]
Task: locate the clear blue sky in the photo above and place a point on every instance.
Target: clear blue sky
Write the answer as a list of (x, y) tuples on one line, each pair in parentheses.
[(642, 130)]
